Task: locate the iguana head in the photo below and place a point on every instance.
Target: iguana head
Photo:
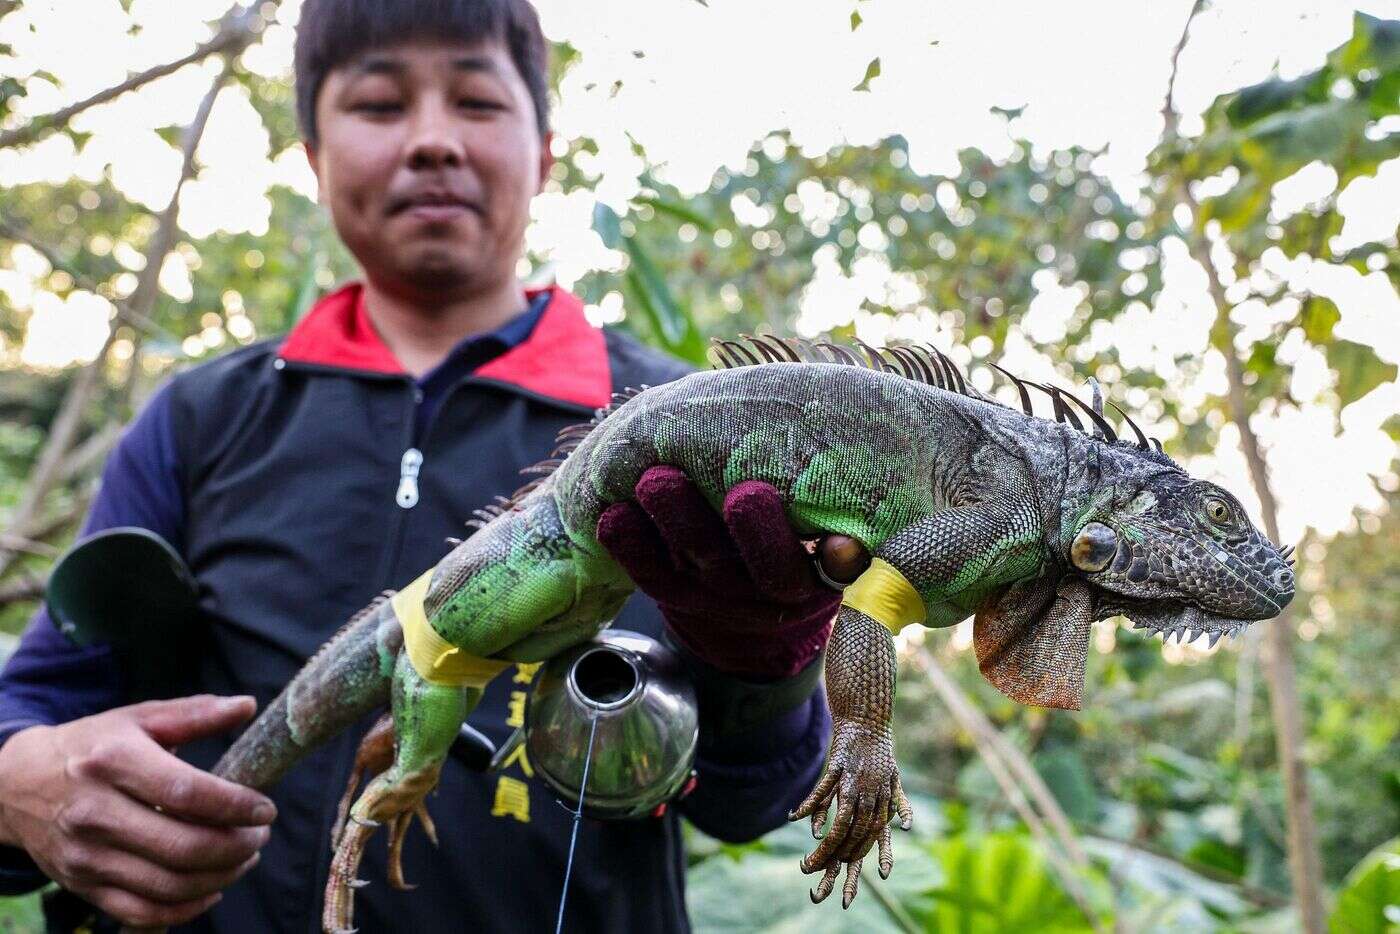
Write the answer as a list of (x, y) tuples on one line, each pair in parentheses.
[(1172, 553), (1140, 537)]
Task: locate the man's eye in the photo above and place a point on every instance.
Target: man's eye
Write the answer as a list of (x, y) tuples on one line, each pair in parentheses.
[(479, 104), (377, 107)]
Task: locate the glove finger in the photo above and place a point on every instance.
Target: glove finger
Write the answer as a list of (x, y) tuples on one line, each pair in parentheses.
[(635, 543), (771, 550), (689, 525)]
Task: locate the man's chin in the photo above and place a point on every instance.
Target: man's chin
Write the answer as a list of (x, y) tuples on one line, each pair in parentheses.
[(435, 272)]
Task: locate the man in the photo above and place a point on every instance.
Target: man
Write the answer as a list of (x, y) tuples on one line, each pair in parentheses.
[(300, 477)]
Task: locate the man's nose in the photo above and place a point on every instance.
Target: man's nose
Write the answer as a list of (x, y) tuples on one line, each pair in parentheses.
[(433, 142)]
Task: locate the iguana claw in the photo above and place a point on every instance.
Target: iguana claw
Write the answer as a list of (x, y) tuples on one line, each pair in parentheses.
[(392, 799), (862, 781)]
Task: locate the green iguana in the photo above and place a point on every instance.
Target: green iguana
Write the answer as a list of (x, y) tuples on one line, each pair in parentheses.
[(968, 507)]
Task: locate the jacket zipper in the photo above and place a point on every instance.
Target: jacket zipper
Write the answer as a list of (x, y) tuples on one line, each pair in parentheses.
[(409, 467)]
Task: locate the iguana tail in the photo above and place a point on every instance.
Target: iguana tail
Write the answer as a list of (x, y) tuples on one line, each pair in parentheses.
[(347, 678)]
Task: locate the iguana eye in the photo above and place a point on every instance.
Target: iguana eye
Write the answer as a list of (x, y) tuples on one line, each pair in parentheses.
[(1218, 510)]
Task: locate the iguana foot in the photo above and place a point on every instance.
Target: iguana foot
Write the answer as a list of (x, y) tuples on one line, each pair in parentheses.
[(398, 829), (863, 781), (375, 755), (390, 799)]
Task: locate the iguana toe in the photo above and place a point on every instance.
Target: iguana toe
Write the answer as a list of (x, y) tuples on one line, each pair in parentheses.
[(827, 883), (391, 799), (861, 780)]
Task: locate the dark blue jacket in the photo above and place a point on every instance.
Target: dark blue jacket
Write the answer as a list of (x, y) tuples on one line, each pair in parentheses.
[(275, 470)]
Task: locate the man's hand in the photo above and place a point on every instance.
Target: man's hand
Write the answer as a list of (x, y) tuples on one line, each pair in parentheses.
[(738, 591), (108, 813)]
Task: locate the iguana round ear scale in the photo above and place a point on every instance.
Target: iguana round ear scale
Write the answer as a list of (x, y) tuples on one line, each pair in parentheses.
[(1093, 547)]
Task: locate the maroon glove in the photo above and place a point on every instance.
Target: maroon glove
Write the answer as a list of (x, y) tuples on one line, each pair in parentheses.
[(739, 592)]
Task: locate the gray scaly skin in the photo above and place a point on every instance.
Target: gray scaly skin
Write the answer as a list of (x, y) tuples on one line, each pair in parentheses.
[(1034, 526)]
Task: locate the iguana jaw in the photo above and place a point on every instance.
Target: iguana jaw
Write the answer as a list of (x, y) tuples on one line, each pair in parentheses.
[(1186, 622)]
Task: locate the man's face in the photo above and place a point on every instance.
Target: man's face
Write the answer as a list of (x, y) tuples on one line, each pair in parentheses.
[(428, 157)]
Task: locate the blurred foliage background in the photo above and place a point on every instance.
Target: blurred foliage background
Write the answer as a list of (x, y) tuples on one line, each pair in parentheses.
[(1163, 805)]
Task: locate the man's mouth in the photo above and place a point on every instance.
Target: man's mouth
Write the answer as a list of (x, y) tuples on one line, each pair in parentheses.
[(434, 206)]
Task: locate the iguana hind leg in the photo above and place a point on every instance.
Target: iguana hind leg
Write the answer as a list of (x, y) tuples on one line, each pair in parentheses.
[(518, 590), (426, 718)]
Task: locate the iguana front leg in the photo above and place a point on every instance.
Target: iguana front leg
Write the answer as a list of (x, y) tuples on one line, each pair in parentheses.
[(860, 770), (947, 565)]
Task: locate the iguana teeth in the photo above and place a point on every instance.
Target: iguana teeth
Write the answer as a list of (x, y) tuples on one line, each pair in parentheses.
[(1215, 637), (1189, 637)]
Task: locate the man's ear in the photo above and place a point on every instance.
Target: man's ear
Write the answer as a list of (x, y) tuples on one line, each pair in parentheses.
[(546, 161)]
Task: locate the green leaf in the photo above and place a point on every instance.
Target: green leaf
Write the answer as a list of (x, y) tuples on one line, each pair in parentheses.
[(1369, 902), (668, 321), (678, 210), (1269, 97), (21, 915), (1217, 855), (997, 883), (764, 893), (1261, 358), (1358, 368), (1300, 136), (1320, 315), (1242, 206), (171, 134), (307, 289), (607, 225), (10, 90), (1069, 779), (872, 71)]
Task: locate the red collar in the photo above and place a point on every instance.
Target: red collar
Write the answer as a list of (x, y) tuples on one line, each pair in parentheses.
[(564, 358)]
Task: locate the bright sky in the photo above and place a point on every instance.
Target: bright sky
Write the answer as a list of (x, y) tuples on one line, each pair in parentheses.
[(701, 84)]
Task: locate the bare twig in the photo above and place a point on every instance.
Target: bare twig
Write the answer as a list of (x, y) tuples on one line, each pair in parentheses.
[(1266, 898), (999, 756), (22, 591), (27, 545), (47, 528), (238, 29), (1169, 115), (65, 426), (893, 909), (9, 230), (90, 453)]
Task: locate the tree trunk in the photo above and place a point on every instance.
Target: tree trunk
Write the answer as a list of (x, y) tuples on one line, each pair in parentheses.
[(1304, 861)]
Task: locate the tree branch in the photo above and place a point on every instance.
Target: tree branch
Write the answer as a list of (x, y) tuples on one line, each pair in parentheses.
[(65, 426), (22, 591), (1170, 117), (1304, 861), (27, 545), (237, 30), (12, 231)]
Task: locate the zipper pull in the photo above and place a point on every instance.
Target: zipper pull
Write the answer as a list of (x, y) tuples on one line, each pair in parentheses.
[(409, 466)]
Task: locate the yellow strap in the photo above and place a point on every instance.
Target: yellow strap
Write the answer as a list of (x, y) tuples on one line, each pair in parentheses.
[(884, 594), (434, 658)]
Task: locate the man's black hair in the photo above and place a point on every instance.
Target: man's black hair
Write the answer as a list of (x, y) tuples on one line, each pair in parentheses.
[(333, 32)]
